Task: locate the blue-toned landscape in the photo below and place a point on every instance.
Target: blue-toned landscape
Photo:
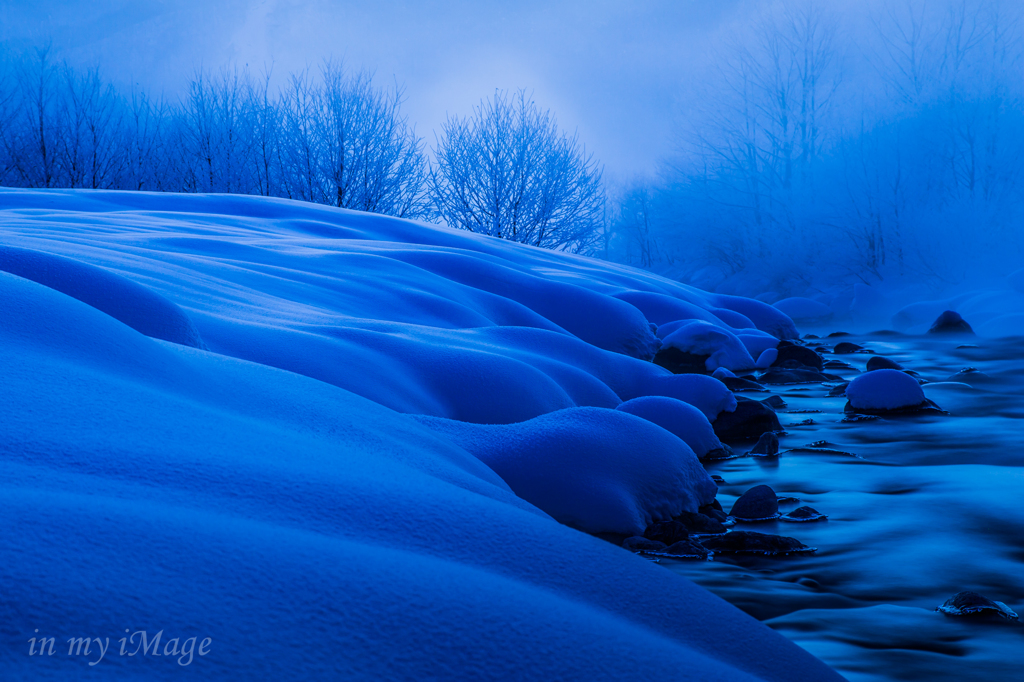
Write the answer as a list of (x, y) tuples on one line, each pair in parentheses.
[(340, 342)]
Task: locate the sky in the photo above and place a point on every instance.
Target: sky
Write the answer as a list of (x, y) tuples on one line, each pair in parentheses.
[(612, 71)]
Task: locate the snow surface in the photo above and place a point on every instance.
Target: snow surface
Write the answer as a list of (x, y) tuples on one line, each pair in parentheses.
[(682, 419), (884, 389), (204, 434), (721, 346)]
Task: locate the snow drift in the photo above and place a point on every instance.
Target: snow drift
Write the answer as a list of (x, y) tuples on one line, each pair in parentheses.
[(204, 435)]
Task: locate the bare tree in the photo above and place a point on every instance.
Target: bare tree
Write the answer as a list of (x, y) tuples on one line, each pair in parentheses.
[(507, 171)]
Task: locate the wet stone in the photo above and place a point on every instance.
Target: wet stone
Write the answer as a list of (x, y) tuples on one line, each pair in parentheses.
[(970, 603), (747, 542), (839, 364), (775, 402), (687, 549), (760, 503), (882, 362), (950, 322), (838, 391), (748, 422), (834, 335), (845, 348), (724, 452), (803, 515), (800, 354), (700, 524), (767, 445), (741, 384), (637, 543), (668, 532)]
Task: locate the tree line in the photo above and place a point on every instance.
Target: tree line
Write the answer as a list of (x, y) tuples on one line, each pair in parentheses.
[(329, 136)]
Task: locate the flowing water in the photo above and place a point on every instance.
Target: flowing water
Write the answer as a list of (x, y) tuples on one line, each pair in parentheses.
[(923, 507)]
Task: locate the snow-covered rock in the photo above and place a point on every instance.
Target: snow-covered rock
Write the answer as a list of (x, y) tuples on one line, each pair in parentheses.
[(602, 471), (884, 389), (721, 346), (679, 418)]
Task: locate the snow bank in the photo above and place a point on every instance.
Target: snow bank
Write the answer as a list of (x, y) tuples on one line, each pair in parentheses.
[(268, 493), (124, 300), (681, 419), (602, 471)]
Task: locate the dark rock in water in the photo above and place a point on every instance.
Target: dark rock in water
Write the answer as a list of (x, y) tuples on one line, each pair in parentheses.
[(810, 583), (775, 402), (836, 334), (746, 542), (687, 549), (971, 376), (839, 390), (760, 503), (950, 322), (805, 356), (967, 345), (724, 452), (882, 362), (701, 524), (714, 505), (680, 362), (803, 515), (748, 422), (811, 336), (778, 376), (767, 445), (838, 364), (720, 481), (845, 348), (970, 603), (741, 384), (637, 543), (714, 511), (668, 532)]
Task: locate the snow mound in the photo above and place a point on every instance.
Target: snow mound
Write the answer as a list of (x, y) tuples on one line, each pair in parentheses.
[(799, 308), (678, 418), (884, 389), (602, 471), (703, 338), (707, 394), (133, 304)]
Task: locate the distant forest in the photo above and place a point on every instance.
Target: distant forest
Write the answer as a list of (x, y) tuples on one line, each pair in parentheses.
[(813, 149)]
